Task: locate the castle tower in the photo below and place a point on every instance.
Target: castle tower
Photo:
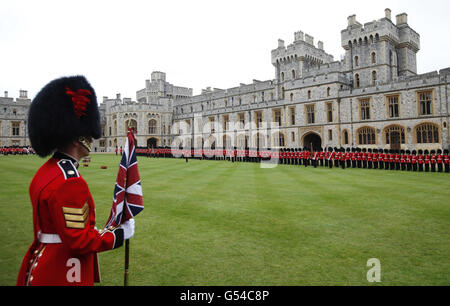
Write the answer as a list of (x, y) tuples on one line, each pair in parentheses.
[(380, 51), (302, 54)]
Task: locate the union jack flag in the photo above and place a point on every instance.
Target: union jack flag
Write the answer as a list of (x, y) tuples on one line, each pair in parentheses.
[(127, 200)]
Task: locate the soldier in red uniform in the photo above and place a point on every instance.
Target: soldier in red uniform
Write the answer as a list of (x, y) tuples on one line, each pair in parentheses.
[(426, 159), (433, 160), (62, 120), (439, 160), (408, 160), (446, 161), (414, 160), (420, 160)]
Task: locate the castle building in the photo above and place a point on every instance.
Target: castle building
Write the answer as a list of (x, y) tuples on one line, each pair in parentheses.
[(371, 98)]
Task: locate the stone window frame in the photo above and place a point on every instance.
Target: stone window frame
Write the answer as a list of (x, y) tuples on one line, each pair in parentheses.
[(367, 100), (371, 138), (373, 57), (346, 139), (419, 104), (388, 105), (279, 139), (310, 111), (431, 125), (394, 128), (258, 115), (241, 120), (329, 111), (152, 128), (277, 116), (292, 113), (15, 128), (357, 81)]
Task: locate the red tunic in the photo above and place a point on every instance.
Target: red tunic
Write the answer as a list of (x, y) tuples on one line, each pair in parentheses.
[(65, 246)]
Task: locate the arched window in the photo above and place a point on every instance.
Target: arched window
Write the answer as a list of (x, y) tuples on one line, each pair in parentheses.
[(427, 133), (374, 77), (309, 94), (282, 93), (394, 134), (366, 136), (356, 61), (115, 127), (282, 76), (357, 84), (152, 126), (373, 58), (328, 91), (345, 137), (291, 97)]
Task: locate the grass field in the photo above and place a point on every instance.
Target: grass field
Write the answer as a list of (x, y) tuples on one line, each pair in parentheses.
[(223, 223)]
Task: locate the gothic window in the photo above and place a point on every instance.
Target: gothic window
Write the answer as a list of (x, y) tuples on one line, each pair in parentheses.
[(282, 93), (364, 107), (394, 132), (310, 112), (282, 76), (292, 115), (373, 58), (309, 94), (277, 116), (152, 126), (330, 112), (293, 74), (356, 61), (291, 97), (357, 81), (241, 120), (330, 135), (393, 106), (427, 133), (345, 137), (15, 129), (328, 91), (374, 77), (366, 136), (258, 119), (425, 102)]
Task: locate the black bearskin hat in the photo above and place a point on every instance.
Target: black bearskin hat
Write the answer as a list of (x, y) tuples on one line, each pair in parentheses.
[(62, 111)]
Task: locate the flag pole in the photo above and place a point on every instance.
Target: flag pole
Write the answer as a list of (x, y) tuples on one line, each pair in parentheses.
[(127, 242), (127, 262)]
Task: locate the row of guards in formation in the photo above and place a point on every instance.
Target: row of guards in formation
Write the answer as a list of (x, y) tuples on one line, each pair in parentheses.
[(421, 160), (16, 150)]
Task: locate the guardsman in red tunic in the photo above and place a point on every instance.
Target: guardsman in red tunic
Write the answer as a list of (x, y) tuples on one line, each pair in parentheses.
[(66, 242), (397, 159), (408, 160), (426, 159), (439, 160), (446, 161), (420, 160), (414, 160), (433, 161), (402, 160)]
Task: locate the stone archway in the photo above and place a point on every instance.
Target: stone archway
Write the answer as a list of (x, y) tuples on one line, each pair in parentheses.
[(152, 142), (312, 139)]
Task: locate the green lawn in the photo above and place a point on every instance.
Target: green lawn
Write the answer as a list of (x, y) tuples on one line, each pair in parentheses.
[(223, 223)]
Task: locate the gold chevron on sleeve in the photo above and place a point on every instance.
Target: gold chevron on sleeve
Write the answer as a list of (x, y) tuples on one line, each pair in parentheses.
[(76, 217)]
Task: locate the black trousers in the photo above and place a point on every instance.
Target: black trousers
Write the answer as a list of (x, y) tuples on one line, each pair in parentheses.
[(439, 167), (427, 167)]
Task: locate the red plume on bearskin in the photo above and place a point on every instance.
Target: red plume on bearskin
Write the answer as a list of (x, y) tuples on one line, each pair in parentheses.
[(64, 109)]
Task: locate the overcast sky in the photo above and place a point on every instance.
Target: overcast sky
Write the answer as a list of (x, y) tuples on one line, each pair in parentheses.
[(198, 43)]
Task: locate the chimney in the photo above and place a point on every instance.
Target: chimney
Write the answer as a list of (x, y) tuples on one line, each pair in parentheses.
[(118, 96), (23, 94), (6, 94), (402, 18), (387, 13), (280, 43)]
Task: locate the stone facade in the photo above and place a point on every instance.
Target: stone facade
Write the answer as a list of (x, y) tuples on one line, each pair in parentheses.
[(371, 98), (13, 120)]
